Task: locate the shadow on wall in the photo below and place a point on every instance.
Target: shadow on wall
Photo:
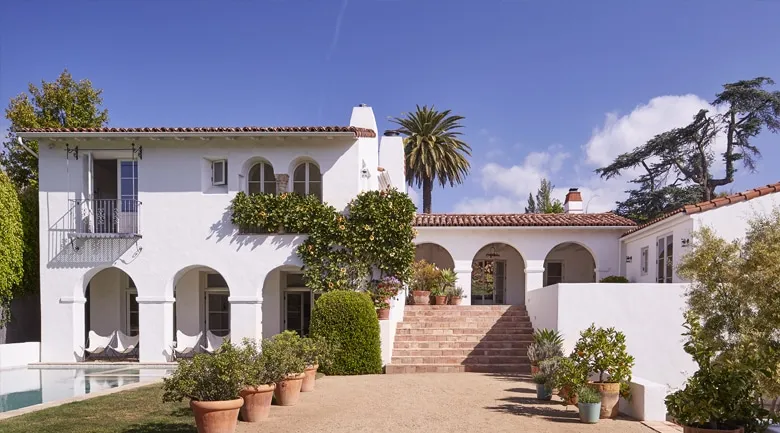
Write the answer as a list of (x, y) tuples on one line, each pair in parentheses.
[(25, 324), (83, 253), (224, 228)]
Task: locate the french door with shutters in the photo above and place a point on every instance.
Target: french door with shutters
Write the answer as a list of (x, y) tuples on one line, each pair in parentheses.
[(664, 259), (218, 312), (298, 304), (127, 207)]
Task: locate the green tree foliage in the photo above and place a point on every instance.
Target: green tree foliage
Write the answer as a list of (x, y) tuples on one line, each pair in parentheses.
[(348, 320), (63, 102), (28, 200), (685, 155), (434, 150), (11, 245), (734, 296), (544, 202)]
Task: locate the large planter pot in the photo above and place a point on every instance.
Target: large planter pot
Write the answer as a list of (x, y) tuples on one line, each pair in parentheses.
[(610, 394), (708, 430), (288, 391), (216, 416), (421, 297), (383, 313), (455, 300), (568, 395), (534, 369), (440, 300), (589, 412), (310, 375), (543, 392), (257, 402)]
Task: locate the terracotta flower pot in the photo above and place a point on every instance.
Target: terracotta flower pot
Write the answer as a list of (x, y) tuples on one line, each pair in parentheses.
[(568, 395), (216, 416), (441, 300), (455, 300), (534, 369), (610, 394), (708, 430), (288, 391), (257, 402), (421, 297), (383, 313), (308, 381)]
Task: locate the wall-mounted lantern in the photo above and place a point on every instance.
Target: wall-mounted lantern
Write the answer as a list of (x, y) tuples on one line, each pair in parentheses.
[(629, 259), (685, 242)]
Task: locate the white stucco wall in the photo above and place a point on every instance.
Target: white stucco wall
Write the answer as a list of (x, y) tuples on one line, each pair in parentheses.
[(680, 226), (19, 354), (731, 222)]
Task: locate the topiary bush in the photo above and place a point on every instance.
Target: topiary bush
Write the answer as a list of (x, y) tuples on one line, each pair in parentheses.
[(348, 320), (614, 279)]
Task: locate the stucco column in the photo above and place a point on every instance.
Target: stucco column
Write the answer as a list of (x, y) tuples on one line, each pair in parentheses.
[(463, 270), (282, 183), (246, 318), (63, 341), (534, 275), (155, 328)]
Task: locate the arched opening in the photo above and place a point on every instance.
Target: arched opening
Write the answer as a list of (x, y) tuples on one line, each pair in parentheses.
[(201, 310), (569, 262), (498, 276), (111, 316), (287, 302), (434, 253)]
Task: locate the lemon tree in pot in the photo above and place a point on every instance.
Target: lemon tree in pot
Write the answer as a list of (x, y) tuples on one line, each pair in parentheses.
[(602, 352), (316, 351), (213, 384), (263, 370), (546, 344), (285, 349)]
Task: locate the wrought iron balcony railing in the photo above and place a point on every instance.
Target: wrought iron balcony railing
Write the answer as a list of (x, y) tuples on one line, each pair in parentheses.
[(105, 218)]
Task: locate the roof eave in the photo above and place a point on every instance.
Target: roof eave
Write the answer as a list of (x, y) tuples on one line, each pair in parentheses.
[(672, 218), (344, 134), (573, 227)]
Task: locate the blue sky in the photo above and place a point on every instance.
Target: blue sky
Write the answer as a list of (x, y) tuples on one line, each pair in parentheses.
[(548, 88)]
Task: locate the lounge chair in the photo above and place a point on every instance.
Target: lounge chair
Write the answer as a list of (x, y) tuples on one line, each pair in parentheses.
[(98, 343), (186, 344), (124, 345), (213, 342)]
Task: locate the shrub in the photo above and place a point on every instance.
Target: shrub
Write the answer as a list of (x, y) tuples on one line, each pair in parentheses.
[(563, 372), (538, 352), (539, 378), (11, 244), (426, 276), (317, 351), (588, 395), (216, 377), (550, 335), (263, 368), (603, 352), (348, 319), (286, 350), (614, 279)]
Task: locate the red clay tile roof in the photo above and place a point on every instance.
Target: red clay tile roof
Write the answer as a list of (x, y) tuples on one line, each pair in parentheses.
[(523, 220), (359, 132), (712, 204)]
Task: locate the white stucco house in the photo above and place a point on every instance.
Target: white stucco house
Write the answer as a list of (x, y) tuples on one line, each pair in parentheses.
[(136, 237)]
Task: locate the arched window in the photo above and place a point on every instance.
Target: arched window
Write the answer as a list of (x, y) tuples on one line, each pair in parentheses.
[(307, 180), (262, 179)]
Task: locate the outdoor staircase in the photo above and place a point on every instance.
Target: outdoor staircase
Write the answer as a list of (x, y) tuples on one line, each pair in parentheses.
[(467, 338)]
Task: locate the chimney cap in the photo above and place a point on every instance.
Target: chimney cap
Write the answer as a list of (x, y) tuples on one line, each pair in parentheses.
[(362, 105), (573, 189), (391, 133)]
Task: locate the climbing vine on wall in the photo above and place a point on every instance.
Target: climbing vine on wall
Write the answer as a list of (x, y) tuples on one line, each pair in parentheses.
[(342, 252)]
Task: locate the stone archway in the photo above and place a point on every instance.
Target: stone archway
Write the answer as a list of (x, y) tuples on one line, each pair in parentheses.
[(569, 262)]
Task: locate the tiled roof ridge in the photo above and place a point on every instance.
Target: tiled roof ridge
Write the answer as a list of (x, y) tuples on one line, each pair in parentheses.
[(606, 219), (359, 132), (704, 206)]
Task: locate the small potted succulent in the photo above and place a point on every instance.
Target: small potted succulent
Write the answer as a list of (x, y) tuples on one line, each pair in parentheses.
[(263, 370), (315, 351), (381, 292), (547, 343), (602, 352), (213, 384), (426, 277), (589, 404), (448, 281), (543, 390), (439, 296), (285, 349), (456, 295)]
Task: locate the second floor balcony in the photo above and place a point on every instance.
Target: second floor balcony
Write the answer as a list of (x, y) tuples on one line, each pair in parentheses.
[(105, 218)]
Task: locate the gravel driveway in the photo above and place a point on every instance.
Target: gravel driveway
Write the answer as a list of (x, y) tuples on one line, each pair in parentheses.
[(429, 403)]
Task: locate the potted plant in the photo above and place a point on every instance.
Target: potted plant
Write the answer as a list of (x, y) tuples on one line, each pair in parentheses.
[(448, 280), (456, 295), (315, 351), (543, 391), (439, 296), (602, 352), (213, 384), (426, 277), (285, 349), (263, 370), (589, 404), (547, 343), (381, 292), (565, 375)]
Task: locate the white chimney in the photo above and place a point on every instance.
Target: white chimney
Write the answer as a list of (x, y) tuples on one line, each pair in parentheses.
[(392, 159), (573, 203), (363, 117)]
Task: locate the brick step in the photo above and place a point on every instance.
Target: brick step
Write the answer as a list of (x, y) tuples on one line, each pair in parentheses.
[(488, 325), (477, 337), (466, 319), (464, 307), (436, 368), (459, 360), (520, 345), (398, 352), (461, 331), (458, 311)]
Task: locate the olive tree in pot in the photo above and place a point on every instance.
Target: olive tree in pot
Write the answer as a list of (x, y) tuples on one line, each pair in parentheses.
[(263, 370), (589, 404), (315, 351), (547, 343), (213, 384), (602, 352), (286, 350)]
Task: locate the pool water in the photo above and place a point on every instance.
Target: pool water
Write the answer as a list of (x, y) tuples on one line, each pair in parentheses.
[(22, 387)]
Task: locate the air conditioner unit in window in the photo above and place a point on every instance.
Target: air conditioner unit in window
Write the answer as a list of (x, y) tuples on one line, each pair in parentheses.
[(219, 172)]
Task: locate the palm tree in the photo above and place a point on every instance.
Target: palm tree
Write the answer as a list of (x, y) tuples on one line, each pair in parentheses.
[(433, 150)]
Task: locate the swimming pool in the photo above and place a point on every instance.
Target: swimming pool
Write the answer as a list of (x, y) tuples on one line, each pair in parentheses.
[(27, 386)]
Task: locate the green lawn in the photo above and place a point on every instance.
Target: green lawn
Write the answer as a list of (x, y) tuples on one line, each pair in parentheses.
[(137, 411)]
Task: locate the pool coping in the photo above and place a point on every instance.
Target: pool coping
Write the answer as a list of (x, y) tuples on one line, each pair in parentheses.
[(50, 404)]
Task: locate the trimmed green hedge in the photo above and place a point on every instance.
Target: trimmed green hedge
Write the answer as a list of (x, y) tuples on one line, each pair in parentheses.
[(614, 279), (349, 320)]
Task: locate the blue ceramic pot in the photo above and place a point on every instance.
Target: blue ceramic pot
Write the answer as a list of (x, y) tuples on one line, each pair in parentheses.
[(543, 392), (589, 412)]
